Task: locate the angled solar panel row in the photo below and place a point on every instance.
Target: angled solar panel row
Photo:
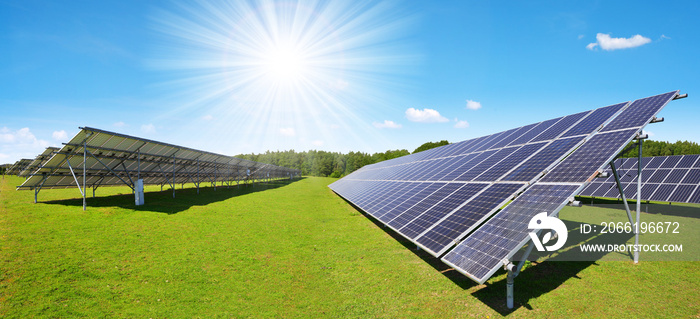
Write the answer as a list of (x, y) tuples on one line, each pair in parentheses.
[(664, 179), (436, 197), (39, 161), (112, 159), (482, 252)]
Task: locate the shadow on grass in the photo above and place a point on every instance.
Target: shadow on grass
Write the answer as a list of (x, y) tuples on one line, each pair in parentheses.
[(163, 201), (670, 209), (538, 278)]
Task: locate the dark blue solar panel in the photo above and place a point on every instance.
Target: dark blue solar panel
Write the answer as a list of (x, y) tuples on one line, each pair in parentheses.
[(431, 169), (631, 191), (473, 159), (687, 161), (394, 191), (640, 112), (604, 189), (558, 128), (477, 169), (671, 161), (492, 139), (585, 161), (467, 217), (408, 215), (440, 210), (697, 163), (417, 194), (538, 163), (695, 198), (657, 176), (508, 163), (535, 131), (693, 177), (662, 193), (460, 148), (676, 176), (594, 120), (648, 190), (516, 134), (482, 252), (681, 193), (590, 189)]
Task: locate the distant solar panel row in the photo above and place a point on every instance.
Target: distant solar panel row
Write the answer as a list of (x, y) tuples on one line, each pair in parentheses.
[(112, 159), (664, 178)]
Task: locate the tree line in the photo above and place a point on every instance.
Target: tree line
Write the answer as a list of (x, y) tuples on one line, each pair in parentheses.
[(333, 164), (662, 148)]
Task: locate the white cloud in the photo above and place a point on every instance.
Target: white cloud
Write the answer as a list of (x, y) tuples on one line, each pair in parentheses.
[(207, 117), (119, 124), (425, 116), (663, 36), (581, 36), (60, 135), (148, 128), (386, 124), (317, 143), (20, 144), (608, 43), (288, 131), (473, 105), (461, 124)]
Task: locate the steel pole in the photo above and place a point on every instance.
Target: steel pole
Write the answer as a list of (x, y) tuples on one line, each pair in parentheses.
[(639, 202)]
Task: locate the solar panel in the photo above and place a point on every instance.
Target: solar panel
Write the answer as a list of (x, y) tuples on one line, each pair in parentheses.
[(666, 171), (445, 232), (110, 158), (456, 188), (640, 111), (39, 161), (483, 252)]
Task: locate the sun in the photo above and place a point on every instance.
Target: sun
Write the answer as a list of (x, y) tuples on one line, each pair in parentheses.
[(284, 63), (271, 67)]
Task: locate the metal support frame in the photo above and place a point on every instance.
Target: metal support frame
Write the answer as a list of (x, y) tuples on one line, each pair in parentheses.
[(622, 193), (514, 271), (639, 201)]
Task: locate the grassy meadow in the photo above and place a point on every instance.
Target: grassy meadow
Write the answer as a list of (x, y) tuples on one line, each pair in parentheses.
[(288, 249)]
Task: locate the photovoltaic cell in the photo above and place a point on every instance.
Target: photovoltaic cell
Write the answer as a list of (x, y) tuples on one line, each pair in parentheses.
[(536, 130), (423, 205), (583, 163), (558, 128), (467, 217), (594, 120), (538, 163), (682, 193), (509, 162), (441, 209), (482, 252), (640, 112)]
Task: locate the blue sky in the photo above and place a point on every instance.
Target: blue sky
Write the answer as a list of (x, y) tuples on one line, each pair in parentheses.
[(237, 77)]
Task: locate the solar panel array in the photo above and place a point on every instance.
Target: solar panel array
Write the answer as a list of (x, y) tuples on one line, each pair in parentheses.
[(664, 179), (18, 167), (39, 161), (115, 159), (437, 197)]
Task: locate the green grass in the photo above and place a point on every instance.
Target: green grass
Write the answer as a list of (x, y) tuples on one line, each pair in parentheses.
[(282, 250)]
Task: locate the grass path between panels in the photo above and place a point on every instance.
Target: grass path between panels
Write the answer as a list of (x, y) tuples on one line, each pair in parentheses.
[(286, 249)]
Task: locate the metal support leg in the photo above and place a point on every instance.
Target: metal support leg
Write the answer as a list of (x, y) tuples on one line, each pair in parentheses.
[(84, 172), (639, 202), (510, 280), (622, 193)]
